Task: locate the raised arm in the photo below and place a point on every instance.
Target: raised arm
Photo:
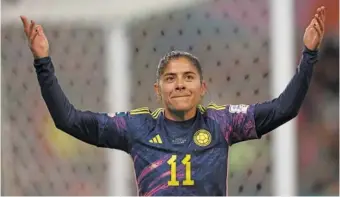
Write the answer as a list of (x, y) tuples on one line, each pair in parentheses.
[(97, 129), (246, 122), (272, 114)]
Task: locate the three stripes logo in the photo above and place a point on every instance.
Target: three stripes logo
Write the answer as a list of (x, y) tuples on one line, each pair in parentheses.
[(156, 140), (214, 106), (145, 110)]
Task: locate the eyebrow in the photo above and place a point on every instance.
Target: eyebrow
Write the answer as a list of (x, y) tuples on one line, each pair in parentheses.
[(185, 73)]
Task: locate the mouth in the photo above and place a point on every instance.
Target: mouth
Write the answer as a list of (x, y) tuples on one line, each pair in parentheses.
[(184, 96)]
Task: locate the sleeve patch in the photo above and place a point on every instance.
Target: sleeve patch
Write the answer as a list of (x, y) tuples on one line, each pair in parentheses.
[(116, 114), (238, 108)]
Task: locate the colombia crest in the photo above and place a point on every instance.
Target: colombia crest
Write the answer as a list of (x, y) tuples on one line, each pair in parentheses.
[(202, 137)]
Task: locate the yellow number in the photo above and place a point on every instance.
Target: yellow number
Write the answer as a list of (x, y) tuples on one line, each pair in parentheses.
[(173, 176), (172, 163), (187, 163)]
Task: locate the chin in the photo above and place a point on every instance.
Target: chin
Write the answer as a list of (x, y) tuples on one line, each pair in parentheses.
[(181, 107), (182, 104)]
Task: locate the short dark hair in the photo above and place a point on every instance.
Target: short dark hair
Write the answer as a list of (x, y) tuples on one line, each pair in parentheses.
[(175, 55)]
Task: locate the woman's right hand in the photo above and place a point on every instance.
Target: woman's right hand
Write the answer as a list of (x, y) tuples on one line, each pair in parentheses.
[(37, 40)]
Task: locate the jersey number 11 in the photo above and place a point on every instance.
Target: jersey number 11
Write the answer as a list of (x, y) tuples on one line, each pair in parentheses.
[(173, 172)]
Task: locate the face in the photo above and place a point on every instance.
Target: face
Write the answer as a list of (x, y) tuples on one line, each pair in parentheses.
[(180, 87)]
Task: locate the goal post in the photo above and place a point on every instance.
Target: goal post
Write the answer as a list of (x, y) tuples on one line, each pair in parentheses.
[(284, 144)]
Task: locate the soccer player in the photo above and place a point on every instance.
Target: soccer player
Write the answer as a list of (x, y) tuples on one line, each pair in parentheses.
[(181, 149)]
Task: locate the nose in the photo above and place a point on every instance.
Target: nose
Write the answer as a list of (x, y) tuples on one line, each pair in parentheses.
[(180, 85)]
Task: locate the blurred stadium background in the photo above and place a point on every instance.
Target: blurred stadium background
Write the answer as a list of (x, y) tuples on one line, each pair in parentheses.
[(231, 38)]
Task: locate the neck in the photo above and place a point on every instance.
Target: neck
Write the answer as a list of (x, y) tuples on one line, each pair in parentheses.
[(179, 115)]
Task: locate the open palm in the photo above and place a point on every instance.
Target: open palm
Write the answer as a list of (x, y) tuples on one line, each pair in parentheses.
[(315, 31), (37, 40)]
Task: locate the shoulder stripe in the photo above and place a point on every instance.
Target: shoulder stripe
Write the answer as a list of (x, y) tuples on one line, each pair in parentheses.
[(201, 108), (142, 110), (216, 107), (156, 113)]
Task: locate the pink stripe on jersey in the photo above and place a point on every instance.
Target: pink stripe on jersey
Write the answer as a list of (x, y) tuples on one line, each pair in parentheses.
[(151, 167)]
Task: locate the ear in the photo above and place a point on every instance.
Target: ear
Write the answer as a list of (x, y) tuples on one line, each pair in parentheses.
[(157, 91), (203, 88)]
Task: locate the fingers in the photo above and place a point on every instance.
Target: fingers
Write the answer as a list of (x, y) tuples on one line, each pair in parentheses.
[(31, 29), (25, 24), (24, 21), (321, 11), (317, 28), (319, 22), (323, 14), (34, 33), (34, 36), (38, 31)]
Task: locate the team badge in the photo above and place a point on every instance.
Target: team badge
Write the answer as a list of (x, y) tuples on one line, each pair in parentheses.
[(202, 137), (238, 108)]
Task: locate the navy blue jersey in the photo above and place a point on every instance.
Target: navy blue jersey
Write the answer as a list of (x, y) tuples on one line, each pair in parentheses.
[(183, 158), (171, 157)]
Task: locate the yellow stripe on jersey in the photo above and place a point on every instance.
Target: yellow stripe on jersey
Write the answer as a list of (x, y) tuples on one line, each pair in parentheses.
[(142, 110), (156, 113), (217, 107), (146, 110), (201, 108), (159, 139)]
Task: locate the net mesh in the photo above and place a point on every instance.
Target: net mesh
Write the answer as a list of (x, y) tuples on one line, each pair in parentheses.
[(39, 160)]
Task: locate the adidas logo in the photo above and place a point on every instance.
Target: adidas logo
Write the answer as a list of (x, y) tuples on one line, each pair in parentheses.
[(156, 140)]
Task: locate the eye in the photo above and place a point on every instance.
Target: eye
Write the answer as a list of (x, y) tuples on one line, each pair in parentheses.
[(169, 79), (189, 77)]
